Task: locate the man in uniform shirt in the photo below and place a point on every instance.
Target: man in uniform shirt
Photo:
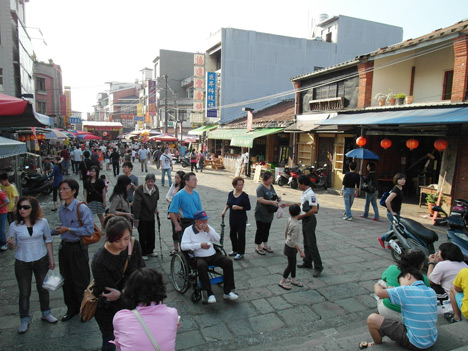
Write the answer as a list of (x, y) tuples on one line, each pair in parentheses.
[(73, 254)]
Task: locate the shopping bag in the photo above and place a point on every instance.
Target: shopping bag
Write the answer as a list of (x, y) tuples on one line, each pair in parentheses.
[(52, 280)]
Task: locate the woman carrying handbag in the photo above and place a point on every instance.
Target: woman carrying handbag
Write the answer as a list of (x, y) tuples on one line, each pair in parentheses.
[(112, 264)]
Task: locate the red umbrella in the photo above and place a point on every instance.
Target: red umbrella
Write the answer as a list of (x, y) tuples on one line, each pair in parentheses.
[(89, 137), (164, 137), (79, 132), (16, 112)]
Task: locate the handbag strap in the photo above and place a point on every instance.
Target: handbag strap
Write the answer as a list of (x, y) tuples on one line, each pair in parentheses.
[(130, 249), (147, 331)]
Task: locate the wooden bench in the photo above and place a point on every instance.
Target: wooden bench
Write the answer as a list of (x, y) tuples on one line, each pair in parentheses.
[(214, 164)]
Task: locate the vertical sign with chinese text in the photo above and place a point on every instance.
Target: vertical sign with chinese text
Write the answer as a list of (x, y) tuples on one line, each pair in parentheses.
[(210, 104), (198, 88)]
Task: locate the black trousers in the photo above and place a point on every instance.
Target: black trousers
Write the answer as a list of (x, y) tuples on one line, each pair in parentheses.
[(310, 242), (218, 259), (192, 166), (237, 234), (147, 232), (184, 224), (291, 253), (116, 168), (262, 233), (73, 263)]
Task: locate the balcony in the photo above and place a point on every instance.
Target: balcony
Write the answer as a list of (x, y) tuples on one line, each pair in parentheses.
[(327, 104)]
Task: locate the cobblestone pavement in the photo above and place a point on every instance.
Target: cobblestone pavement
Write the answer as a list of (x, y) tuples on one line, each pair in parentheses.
[(328, 313)]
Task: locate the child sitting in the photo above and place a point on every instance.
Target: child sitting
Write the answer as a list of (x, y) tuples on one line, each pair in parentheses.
[(291, 247), (418, 308), (459, 297)]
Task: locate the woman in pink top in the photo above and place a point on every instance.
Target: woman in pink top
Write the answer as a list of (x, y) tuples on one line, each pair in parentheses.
[(145, 291)]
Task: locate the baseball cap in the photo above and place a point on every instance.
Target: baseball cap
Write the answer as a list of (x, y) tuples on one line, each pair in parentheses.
[(200, 215)]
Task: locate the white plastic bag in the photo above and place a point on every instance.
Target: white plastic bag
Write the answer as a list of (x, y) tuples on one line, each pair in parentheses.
[(52, 280), (279, 213)]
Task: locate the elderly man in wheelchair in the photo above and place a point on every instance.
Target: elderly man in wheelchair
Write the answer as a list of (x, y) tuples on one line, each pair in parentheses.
[(200, 239)]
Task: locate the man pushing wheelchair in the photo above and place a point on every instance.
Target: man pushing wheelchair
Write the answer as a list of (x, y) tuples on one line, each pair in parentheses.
[(199, 238)]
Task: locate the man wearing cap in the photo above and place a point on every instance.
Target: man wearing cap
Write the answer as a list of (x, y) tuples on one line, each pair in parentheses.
[(185, 203), (145, 205), (199, 238)]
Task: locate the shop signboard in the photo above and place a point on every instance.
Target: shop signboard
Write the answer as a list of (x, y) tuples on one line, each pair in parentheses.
[(210, 102)]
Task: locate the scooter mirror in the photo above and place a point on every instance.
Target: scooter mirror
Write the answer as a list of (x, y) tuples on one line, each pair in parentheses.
[(437, 209)]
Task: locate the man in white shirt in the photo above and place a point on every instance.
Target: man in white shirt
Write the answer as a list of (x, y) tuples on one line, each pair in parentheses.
[(143, 156), (166, 166), (199, 238), (77, 158)]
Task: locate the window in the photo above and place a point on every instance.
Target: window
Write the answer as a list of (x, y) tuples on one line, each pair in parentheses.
[(41, 107), (447, 89), (1, 79), (329, 91), (328, 37), (40, 84)]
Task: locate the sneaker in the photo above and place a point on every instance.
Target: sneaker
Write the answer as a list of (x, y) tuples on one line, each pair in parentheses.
[(239, 257), (345, 217), (231, 296), (349, 218), (153, 254), (232, 253), (49, 318), (362, 216), (4, 248), (145, 258), (23, 328), (317, 272), (211, 299), (381, 242)]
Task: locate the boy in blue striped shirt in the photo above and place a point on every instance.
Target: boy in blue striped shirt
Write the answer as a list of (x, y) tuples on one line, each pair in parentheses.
[(418, 309)]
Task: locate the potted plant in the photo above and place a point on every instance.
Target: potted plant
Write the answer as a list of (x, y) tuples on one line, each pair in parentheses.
[(400, 98), (431, 200), (381, 98), (391, 98), (409, 99)]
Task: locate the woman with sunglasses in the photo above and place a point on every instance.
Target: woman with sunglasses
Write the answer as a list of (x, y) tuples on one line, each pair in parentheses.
[(30, 233), (112, 264), (95, 194)]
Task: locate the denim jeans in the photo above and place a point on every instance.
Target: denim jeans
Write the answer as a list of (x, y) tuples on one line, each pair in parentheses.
[(3, 219), (168, 171), (23, 273), (348, 197), (371, 198), (390, 218)]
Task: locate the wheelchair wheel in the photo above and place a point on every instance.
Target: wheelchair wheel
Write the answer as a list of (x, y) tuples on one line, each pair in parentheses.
[(196, 295), (179, 273)]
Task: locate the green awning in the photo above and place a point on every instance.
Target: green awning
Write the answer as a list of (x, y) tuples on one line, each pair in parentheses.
[(225, 134), (246, 139), (202, 129)]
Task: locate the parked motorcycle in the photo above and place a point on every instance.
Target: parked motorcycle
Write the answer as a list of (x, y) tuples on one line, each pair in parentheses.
[(35, 183), (457, 232), (294, 174), (283, 178), (459, 209), (185, 161), (318, 177), (409, 234)]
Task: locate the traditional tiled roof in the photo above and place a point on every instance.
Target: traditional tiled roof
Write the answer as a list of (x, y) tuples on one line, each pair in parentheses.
[(278, 115)]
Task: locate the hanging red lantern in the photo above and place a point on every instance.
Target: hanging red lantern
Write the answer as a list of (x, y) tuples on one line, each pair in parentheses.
[(105, 134), (440, 144), (386, 143), (412, 144), (361, 141), (21, 138)]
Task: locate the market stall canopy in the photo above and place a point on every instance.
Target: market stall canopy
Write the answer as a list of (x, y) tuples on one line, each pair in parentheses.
[(246, 139), (16, 112), (166, 137), (109, 126), (9, 147), (79, 132), (44, 119), (55, 134), (225, 134), (202, 129), (88, 137)]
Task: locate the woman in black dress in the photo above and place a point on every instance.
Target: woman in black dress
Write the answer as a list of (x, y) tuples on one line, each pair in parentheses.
[(112, 263), (238, 202)]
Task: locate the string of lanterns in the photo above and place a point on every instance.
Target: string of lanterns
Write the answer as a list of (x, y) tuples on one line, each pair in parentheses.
[(27, 137), (440, 144)]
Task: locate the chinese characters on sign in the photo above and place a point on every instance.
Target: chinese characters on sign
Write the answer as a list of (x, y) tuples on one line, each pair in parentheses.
[(152, 97), (199, 86), (211, 94)]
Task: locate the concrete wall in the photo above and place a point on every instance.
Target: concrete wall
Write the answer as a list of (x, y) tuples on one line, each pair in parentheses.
[(6, 49)]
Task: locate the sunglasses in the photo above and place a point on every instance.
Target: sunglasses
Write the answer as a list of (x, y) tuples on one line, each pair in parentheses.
[(24, 207)]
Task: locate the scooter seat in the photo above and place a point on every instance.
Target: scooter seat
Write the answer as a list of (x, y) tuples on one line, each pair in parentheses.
[(416, 228)]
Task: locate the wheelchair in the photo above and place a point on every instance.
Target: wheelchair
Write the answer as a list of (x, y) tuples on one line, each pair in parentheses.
[(184, 273)]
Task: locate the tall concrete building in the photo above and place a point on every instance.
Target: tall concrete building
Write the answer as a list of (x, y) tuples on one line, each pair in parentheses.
[(16, 52), (249, 68)]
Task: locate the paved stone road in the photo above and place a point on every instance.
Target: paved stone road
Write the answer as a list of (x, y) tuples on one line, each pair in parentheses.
[(328, 313)]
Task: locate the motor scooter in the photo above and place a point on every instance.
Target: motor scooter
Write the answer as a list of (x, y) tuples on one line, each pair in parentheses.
[(408, 234), (35, 183), (185, 161), (318, 178), (457, 232), (283, 178), (459, 209), (294, 174)]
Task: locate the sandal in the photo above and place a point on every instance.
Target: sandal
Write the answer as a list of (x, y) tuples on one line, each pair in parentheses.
[(268, 249), (299, 284), (260, 251), (451, 318), (285, 287), (365, 344)]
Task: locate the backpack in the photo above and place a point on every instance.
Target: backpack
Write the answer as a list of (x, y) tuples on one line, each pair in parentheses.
[(384, 197)]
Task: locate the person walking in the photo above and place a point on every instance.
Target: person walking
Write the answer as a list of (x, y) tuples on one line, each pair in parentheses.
[(119, 205), (166, 166), (73, 254), (77, 158), (56, 178), (143, 157), (4, 201), (157, 157), (238, 203), (107, 158), (127, 168), (111, 265), (267, 205), (85, 165), (66, 159), (309, 208), (349, 190), (393, 203), (193, 161), (201, 160), (30, 234), (12, 194), (115, 159), (145, 206), (176, 186), (95, 194), (370, 188)]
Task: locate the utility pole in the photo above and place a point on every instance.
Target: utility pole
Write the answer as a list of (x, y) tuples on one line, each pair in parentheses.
[(165, 106)]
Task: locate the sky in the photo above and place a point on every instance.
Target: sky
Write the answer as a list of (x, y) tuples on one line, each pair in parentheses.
[(98, 41)]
